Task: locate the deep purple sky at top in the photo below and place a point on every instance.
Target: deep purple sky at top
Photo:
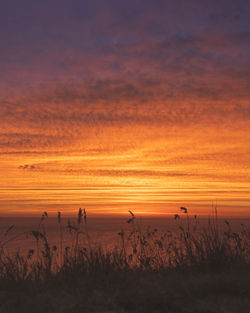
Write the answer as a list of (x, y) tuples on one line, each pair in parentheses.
[(53, 38)]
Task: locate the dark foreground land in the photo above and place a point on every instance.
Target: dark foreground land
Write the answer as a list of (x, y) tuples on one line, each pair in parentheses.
[(192, 270), (146, 292)]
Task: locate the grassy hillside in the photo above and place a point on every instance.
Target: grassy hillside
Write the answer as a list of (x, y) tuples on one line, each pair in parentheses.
[(195, 269)]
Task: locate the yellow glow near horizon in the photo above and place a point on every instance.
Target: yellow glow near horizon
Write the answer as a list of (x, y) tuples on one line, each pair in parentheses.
[(153, 175)]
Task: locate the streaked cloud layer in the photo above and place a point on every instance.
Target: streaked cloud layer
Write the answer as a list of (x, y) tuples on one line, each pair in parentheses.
[(116, 104)]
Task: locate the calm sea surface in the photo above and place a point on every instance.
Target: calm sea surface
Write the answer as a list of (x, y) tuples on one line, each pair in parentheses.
[(102, 231)]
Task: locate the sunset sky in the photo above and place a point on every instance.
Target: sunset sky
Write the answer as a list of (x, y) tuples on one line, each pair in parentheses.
[(117, 105)]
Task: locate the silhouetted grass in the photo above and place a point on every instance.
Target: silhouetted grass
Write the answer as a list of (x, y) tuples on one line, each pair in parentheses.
[(194, 269)]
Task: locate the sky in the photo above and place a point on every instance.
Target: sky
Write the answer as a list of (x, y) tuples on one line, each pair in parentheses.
[(117, 105)]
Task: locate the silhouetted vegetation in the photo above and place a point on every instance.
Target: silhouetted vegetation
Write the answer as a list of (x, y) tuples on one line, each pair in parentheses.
[(193, 269)]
